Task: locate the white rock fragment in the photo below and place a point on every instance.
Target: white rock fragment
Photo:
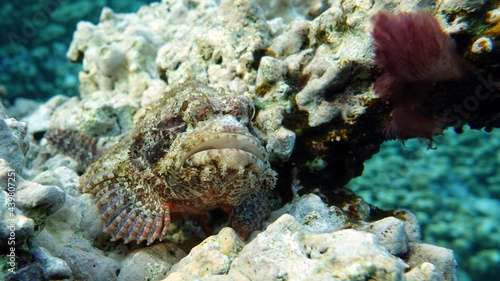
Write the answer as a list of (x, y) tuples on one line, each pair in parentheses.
[(53, 268), (293, 9), (40, 200), (391, 233), (411, 225), (21, 108), (39, 120), (441, 258), (88, 266), (110, 60), (13, 225), (280, 145), (296, 62), (292, 40), (322, 69), (96, 116), (33, 202), (81, 41), (316, 217), (62, 114), (211, 257), (151, 263), (270, 71)]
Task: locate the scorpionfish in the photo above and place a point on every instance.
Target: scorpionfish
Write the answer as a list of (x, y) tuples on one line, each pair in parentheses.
[(191, 153)]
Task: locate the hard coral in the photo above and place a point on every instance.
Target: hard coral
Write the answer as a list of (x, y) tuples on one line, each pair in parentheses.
[(415, 52)]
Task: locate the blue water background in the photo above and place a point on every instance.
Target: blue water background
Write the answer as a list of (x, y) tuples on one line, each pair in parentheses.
[(454, 190)]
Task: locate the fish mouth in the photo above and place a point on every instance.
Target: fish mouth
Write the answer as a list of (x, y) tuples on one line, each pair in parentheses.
[(231, 141)]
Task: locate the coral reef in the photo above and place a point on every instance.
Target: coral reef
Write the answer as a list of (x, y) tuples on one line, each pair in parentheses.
[(306, 251), (297, 82)]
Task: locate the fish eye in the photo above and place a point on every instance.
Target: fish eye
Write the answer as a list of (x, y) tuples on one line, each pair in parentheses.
[(184, 105)]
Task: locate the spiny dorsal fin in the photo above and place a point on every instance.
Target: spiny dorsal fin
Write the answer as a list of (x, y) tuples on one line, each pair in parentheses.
[(84, 149)]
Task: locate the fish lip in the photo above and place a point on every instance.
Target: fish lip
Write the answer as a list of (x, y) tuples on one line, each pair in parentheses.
[(242, 142)]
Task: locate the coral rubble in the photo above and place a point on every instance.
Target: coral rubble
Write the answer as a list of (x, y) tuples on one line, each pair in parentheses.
[(297, 81)]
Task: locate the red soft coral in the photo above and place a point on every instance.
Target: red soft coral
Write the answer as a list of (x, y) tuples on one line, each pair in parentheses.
[(415, 52), (414, 48)]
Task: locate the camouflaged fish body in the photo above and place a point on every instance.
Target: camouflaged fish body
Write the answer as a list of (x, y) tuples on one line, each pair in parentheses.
[(190, 154)]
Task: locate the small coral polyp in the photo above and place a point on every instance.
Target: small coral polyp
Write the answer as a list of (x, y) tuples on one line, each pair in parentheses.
[(493, 17), (415, 52), (482, 45), (191, 153)]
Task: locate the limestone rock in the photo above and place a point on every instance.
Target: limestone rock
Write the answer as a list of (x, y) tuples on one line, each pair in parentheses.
[(27, 204), (440, 257), (151, 263), (53, 268), (316, 217), (286, 250), (88, 266), (40, 200), (391, 233), (40, 118), (211, 257), (13, 225)]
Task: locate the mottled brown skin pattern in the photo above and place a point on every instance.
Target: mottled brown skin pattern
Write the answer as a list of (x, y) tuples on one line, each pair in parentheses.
[(190, 154)]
